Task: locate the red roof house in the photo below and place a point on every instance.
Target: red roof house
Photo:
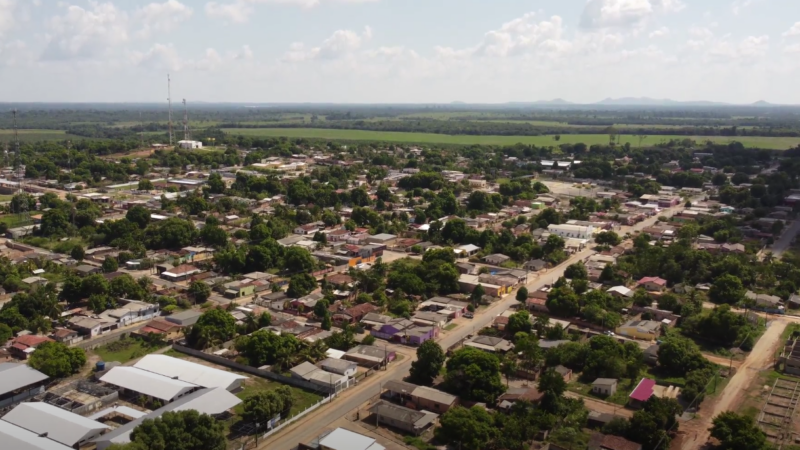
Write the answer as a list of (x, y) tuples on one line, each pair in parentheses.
[(23, 346), (642, 392)]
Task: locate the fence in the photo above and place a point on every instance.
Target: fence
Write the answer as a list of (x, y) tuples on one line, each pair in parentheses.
[(249, 444)]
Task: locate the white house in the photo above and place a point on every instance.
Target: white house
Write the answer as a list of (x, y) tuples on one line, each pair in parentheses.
[(133, 311), (340, 366), (572, 231)]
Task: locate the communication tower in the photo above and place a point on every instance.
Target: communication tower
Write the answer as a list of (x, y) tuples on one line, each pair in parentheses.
[(169, 102)]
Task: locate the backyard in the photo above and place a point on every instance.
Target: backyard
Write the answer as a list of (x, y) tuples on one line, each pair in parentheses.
[(127, 349)]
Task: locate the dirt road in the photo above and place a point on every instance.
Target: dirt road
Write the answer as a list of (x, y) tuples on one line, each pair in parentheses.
[(760, 358)]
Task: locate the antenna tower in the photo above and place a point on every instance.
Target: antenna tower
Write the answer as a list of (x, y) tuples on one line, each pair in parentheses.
[(169, 101), (186, 135), (141, 131)]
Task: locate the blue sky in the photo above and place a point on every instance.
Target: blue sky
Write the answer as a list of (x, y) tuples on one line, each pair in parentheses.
[(399, 51)]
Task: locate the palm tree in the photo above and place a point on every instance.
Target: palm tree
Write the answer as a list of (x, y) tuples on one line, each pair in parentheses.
[(316, 351), (509, 367), (250, 323)]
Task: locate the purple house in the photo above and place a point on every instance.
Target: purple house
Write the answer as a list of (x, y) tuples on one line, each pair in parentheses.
[(642, 393), (404, 331)]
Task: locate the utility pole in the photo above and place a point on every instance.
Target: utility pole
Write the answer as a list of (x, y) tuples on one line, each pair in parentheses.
[(141, 131), (169, 102)]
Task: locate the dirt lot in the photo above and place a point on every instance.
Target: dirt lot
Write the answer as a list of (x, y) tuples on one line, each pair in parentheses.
[(696, 431)]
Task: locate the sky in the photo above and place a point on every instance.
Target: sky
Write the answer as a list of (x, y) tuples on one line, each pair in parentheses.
[(399, 51)]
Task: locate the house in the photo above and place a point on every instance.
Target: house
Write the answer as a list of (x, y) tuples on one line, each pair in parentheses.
[(652, 284), (184, 318), (496, 259), (430, 318), (794, 301), (339, 366), (22, 346), (647, 330), (764, 300), (19, 382), (621, 292), (402, 418), (404, 331), (133, 311), (341, 439), (381, 239), (238, 289), (91, 327), (84, 270), (535, 265), (66, 336), (354, 314), (599, 441), (180, 273), (469, 249), (167, 331), (418, 397), (370, 356), (641, 393), (305, 230), (513, 395), (566, 373), (56, 424), (35, 281), (490, 344), (572, 231), (604, 386)]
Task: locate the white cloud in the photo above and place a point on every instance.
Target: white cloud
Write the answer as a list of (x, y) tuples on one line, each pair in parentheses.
[(162, 17), (7, 20), (794, 48), (740, 5), (793, 31), (339, 44), (240, 11), (625, 13), (661, 32), (86, 33), (700, 32), (14, 53)]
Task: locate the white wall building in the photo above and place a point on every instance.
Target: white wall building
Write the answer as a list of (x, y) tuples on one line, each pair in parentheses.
[(572, 231), (190, 144)]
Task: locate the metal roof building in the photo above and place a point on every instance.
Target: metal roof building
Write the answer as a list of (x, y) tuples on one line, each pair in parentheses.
[(59, 425), (344, 439), (14, 437), (190, 372), (147, 383), (15, 376), (204, 401)]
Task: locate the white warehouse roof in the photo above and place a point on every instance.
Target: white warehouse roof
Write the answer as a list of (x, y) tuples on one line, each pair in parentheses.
[(14, 376), (18, 438), (60, 425), (188, 371), (147, 383)]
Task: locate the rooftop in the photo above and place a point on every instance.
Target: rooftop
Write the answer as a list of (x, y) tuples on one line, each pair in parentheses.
[(643, 390), (14, 437), (147, 383), (59, 424), (179, 369), (14, 376), (343, 439)]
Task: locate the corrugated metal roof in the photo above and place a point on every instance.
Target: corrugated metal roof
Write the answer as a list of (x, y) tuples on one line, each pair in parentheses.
[(60, 425), (187, 371), (14, 437), (344, 439), (14, 376), (204, 401), (147, 383)]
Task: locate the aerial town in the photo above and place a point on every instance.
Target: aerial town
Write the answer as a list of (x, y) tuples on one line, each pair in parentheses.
[(298, 295)]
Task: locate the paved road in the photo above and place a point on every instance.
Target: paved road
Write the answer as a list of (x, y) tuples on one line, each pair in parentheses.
[(313, 424), (785, 240)]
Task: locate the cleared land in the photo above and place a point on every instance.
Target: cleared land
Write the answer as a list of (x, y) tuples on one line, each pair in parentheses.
[(774, 143), (7, 135)]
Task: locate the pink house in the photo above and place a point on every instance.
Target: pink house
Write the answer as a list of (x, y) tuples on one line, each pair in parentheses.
[(652, 284), (642, 393)]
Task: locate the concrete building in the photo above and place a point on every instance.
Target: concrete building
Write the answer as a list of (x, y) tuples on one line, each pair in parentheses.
[(490, 344), (369, 355), (572, 231), (57, 424), (341, 439), (604, 386), (190, 145), (148, 384), (340, 366), (647, 330)]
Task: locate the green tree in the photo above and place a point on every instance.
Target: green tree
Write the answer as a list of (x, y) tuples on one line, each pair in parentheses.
[(213, 327), (300, 285), (145, 185), (738, 432), (468, 429), (264, 406), (6, 333), (54, 223), (214, 236), (215, 183), (56, 360), (139, 215), (520, 321), (476, 297), (182, 430), (726, 289), (110, 265), (94, 284), (430, 360), (77, 253), (607, 238), (199, 291), (522, 294), (297, 259), (474, 375)]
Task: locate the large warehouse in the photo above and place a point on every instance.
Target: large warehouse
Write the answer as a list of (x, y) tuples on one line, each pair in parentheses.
[(198, 374), (147, 383), (59, 425)]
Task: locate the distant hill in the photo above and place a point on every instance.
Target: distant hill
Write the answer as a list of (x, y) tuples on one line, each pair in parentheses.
[(647, 101)]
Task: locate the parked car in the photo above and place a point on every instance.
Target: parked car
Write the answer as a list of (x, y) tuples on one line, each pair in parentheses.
[(469, 315)]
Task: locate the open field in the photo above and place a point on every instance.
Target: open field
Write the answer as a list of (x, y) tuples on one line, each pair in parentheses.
[(7, 135), (125, 350), (431, 138)]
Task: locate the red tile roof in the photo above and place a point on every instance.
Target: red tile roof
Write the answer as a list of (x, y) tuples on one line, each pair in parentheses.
[(31, 340)]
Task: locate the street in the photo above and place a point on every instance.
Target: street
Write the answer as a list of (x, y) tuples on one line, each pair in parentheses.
[(786, 239), (313, 424)]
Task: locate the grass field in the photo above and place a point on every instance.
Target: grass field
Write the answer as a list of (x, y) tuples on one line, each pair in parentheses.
[(37, 135), (125, 350), (774, 143), (14, 221)]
